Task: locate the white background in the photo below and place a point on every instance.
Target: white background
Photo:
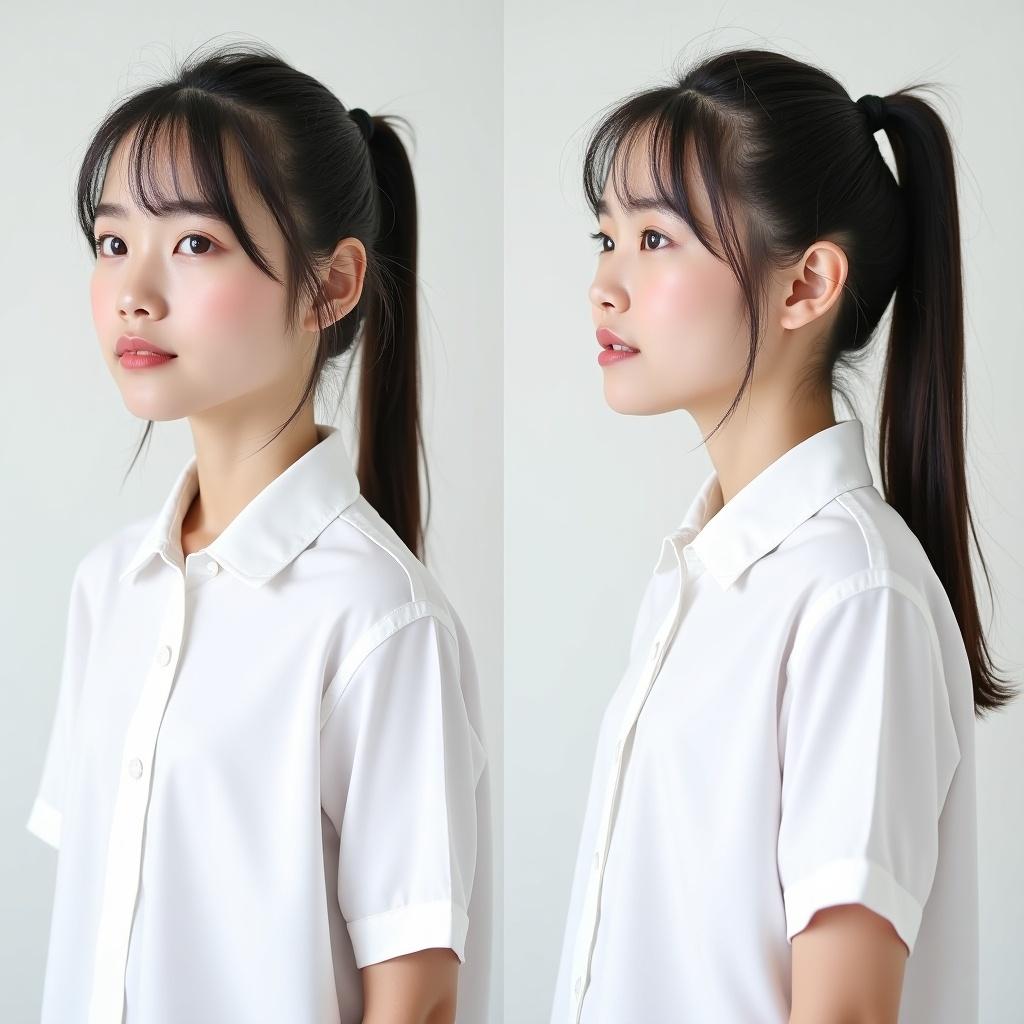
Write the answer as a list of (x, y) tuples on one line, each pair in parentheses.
[(66, 438), (589, 493)]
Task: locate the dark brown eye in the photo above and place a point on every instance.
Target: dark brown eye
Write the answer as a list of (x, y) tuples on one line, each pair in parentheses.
[(200, 239), (98, 243), (651, 233)]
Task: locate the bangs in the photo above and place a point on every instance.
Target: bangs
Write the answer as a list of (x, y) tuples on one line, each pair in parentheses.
[(190, 126), (669, 135)]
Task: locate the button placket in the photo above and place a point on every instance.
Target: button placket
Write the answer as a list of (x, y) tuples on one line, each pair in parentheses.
[(587, 932), (125, 847)]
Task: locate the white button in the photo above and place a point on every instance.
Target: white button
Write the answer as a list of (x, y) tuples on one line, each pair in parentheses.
[(655, 649), (597, 859), (163, 655), (135, 768), (213, 568), (579, 985)]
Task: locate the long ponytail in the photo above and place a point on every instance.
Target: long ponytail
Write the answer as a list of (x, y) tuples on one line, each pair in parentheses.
[(921, 432), (390, 432)]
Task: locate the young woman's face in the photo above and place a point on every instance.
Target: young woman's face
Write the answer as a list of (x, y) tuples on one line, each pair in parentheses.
[(184, 283), (659, 290)]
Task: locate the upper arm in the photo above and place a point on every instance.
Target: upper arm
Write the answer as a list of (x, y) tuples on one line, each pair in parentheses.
[(868, 750), (414, 988), (400, 764)]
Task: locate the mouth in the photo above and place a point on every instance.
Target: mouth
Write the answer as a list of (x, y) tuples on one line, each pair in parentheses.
[(609, 340), (136, 346)]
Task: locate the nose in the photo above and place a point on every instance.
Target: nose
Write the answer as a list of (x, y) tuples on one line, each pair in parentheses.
[(607, 294), (139, 301)]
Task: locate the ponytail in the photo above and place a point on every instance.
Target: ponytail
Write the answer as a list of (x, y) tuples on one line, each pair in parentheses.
[(921, 434), (390, 433)]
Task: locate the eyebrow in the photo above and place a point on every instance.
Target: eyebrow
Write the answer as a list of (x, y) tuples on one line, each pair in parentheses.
[(642, 203), (172, 208)]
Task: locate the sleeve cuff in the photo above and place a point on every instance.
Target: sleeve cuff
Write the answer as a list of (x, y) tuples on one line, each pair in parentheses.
[(407, 929), (44, 822), (853, 880)]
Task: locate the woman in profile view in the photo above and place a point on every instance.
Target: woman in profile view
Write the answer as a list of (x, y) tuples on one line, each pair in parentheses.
[(781, 822)]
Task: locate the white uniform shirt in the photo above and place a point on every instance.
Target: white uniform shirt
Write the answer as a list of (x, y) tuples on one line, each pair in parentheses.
[(794, 730), (266, 767)]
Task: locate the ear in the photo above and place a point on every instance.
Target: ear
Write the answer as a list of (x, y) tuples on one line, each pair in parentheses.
[(343, 282), (814, 284)]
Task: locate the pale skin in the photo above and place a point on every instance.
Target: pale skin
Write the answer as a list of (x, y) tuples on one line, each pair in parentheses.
[(239, 372), (663, 293)]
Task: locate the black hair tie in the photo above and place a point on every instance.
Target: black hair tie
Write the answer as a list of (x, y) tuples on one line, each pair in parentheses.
[(363, 119), (876, 110)]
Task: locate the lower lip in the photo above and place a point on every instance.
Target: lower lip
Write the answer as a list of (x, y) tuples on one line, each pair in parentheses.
[(608, 356), (139, 361)]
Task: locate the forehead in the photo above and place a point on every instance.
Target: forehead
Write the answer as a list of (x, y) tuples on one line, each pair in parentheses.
[(637, 171), (161, 175)]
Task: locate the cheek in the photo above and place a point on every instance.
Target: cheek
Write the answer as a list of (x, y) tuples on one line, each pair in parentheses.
[(235, 303), (102, 298), (692, 318), (688, 297)]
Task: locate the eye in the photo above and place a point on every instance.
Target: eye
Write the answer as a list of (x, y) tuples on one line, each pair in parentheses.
[(600, 235), (652, 233), (201, 238), (98, 244)]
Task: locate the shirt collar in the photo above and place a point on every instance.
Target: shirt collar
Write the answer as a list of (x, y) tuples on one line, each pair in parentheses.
[(278, 523), (729, 539)]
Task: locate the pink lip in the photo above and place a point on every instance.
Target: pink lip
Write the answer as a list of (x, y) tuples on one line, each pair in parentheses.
[(131, 342), (139, 361), (606, 338)]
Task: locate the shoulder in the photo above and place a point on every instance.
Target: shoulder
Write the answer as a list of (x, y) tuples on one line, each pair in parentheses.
[(857, 543), (860, 563), (389, 579), (105, 559)]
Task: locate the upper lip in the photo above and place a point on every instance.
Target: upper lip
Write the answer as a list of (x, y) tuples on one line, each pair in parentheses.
[(606, 338), (132, 343)]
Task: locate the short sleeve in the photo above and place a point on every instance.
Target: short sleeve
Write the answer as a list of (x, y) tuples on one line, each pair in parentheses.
[(868, 749), (47, 809), (400, 763)]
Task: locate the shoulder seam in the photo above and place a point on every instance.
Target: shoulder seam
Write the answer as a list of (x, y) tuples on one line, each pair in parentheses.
[(371, 638), (359, 521), (872, 541)]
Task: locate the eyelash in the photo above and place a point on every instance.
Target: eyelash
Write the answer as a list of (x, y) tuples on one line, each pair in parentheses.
[(97, 243), (598, 235)]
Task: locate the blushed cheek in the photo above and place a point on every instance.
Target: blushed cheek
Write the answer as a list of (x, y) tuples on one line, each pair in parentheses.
[(683, 298), (101, 295), (237, 304)]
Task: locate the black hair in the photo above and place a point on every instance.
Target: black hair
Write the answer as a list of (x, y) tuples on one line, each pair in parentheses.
[(785, 154), (322, 181)]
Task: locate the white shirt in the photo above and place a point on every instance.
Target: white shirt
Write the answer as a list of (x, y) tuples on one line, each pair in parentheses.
[(794, 730), (266, 768)]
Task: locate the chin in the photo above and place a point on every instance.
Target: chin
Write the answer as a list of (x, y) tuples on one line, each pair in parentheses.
[(630, 402), (152, 408)]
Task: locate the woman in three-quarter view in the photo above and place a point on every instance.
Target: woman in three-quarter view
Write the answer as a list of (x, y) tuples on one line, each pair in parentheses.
[(781, 821), (266, 775)]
